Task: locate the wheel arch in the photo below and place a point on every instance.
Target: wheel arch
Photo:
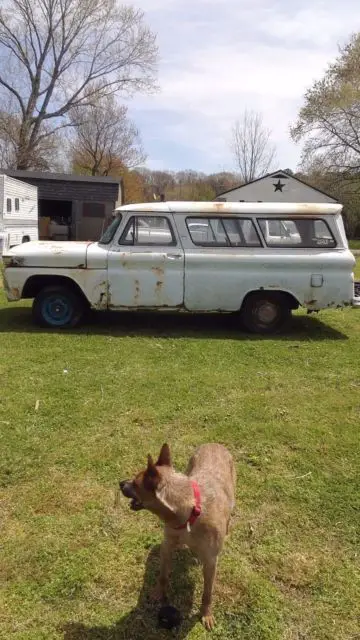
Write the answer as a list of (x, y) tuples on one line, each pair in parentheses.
[(286, 296), (34, 284)]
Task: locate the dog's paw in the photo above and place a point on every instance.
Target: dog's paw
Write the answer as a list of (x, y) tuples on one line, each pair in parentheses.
[(208, 621)]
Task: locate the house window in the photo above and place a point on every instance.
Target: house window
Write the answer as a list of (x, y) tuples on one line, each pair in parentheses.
[(8, 205), (17, 204)]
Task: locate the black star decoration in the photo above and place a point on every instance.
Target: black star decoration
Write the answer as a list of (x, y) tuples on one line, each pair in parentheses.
[(278, 186)]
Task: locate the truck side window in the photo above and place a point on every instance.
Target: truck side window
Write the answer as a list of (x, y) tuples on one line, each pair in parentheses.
[(150, 231), (8, 205), (299, 233), (223, 232)]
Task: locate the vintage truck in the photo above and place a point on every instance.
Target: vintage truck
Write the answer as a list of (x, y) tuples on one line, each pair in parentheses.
[(258, 260)]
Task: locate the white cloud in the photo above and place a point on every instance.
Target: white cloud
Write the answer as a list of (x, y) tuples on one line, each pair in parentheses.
[(219, 58), (317, 26)]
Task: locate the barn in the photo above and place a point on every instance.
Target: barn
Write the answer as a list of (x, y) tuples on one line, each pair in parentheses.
[(279, 186)]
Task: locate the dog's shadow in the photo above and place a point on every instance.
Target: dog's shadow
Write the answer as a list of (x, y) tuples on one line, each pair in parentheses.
[(142, 621)]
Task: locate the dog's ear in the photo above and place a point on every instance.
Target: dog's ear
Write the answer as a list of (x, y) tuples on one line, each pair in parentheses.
[(164, 457), (151, 475), (151, 467)]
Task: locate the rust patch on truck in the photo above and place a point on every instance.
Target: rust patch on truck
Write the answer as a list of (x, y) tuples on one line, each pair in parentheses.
[(137, 291), (15, 261), (158, 271), (104, 295), (54, 248), (159, 286), (124, 261)]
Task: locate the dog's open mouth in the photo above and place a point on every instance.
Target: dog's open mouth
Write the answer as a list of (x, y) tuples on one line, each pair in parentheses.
[(128, 490), (136, 505)]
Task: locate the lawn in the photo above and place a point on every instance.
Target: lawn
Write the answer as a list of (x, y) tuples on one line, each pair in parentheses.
[(81, 410), (354, 244)]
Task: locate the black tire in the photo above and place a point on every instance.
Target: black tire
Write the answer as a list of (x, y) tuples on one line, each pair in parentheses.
[(58, 307), (25, 239), (265, 312)]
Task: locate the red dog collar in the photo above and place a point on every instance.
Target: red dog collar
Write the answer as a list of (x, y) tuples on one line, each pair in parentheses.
[(196, 510)]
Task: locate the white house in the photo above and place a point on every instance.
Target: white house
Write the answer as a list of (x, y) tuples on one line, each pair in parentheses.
[(18, 211), (275, 187)]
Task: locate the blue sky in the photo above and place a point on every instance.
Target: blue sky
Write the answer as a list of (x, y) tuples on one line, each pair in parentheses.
[(218, 57)]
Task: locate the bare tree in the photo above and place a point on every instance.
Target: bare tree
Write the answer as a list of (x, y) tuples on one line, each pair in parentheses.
[(58, 55), (251, 145), (44, 157), (105, 137)]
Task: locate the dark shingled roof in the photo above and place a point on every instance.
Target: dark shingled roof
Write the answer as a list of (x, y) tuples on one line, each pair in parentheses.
[(47, 175)]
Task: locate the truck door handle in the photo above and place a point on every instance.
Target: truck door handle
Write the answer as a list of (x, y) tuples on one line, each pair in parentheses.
[(174, 256)]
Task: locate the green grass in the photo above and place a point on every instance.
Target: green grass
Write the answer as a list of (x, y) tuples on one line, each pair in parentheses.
[(354, 244), (80, 410)]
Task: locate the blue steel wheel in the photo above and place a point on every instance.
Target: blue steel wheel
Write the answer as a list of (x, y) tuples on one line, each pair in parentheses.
[(58, 308)]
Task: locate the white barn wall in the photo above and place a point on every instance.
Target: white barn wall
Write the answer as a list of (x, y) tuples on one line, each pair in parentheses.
[(263, 190)]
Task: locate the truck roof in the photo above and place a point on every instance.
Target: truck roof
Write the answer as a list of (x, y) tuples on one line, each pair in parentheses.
[(228, 208)]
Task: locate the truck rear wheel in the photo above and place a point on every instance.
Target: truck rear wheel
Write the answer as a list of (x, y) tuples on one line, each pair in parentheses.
[(57, 307), (265, 312)]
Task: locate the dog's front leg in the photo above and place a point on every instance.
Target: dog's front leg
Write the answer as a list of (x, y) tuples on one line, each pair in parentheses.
[(209, 572), (159, 592)]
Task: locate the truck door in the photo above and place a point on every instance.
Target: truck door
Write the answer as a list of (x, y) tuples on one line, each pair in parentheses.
[(146, 265)]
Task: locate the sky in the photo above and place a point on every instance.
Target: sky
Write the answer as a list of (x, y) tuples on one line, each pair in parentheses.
[(219, 57)]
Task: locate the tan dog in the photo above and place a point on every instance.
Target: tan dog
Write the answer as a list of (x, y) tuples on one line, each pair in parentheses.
[(195, 508)]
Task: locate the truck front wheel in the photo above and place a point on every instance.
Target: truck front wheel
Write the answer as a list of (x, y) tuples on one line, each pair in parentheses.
[(57, 307)]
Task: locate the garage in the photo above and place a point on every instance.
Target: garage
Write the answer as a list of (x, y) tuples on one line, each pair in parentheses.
[(73, 207)]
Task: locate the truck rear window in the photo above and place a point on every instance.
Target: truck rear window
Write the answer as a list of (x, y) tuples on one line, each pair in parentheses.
[(223, 232), (302, 233)]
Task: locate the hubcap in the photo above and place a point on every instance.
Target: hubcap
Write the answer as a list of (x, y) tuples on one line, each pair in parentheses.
[(267, 312)]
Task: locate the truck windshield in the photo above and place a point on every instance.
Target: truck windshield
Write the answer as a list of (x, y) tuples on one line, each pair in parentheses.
[(108, 235)]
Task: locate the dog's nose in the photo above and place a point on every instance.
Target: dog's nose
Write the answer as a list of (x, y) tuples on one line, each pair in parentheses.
[(127, 488)]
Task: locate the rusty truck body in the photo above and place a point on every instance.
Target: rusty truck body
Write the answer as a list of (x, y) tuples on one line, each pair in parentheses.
[(259, 260)]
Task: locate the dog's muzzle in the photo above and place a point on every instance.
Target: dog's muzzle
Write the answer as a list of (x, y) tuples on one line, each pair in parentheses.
[(127, 489)]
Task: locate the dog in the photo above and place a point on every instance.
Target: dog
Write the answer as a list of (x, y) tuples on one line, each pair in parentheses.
[(195, 507)]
